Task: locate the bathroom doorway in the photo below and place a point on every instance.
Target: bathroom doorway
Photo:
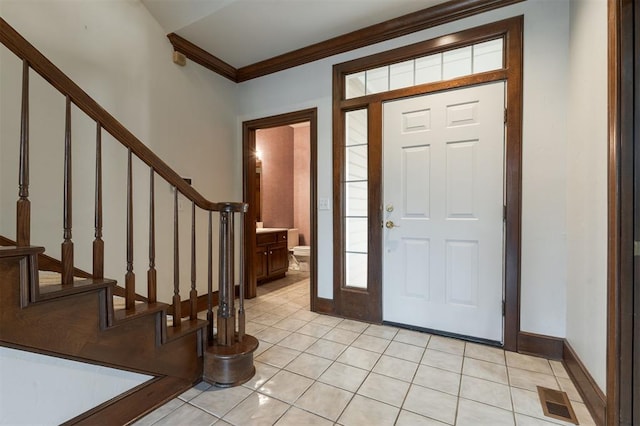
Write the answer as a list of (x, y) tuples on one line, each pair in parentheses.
[(279, 184)]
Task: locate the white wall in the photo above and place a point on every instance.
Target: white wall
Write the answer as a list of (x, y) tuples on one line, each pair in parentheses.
[(544, 175), (587, 186), (117, 53), (43, 390)]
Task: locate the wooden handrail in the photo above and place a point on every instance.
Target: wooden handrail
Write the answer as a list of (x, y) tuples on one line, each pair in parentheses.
[(47, 70)]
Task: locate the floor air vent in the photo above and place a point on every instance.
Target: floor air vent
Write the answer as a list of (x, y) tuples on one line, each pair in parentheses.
[(556, 404)]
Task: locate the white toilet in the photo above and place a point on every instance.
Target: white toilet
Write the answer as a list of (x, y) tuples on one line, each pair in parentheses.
[(300, 255)]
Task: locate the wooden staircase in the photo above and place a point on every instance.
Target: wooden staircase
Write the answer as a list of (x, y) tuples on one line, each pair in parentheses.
[(76, 318), (78, 321)]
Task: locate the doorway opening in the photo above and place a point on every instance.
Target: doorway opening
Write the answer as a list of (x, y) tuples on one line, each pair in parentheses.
[(279, 184)]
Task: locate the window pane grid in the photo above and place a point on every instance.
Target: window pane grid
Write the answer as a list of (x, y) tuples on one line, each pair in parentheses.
[(455, 63), (356, 270), (355, 184)]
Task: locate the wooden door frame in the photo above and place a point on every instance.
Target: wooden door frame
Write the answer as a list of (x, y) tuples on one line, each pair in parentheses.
[(511, 30), (624, 171), (249, 129)]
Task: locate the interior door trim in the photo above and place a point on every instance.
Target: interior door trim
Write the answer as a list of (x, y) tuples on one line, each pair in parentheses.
[(248, 168), (623, 359), (512, 32)]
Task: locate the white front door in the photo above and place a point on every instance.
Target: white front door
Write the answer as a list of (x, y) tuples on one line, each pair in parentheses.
[(443, 201)]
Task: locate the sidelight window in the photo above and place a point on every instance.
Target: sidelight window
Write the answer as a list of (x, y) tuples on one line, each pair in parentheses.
[(356, 198)]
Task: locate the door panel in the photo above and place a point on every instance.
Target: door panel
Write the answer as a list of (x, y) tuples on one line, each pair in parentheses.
[(260, 266), (462, 273), (443, 197), (278, 259), (461, 159), (416, 264), (416, 161)]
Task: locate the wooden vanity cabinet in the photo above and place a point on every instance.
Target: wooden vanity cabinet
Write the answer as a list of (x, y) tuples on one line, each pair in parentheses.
[(272, 255)]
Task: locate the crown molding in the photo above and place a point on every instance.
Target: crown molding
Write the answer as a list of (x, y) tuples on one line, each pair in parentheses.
[(397, 27), (202, 57)]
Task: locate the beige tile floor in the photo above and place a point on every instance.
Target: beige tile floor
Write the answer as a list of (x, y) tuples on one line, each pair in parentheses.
[(315, 369)]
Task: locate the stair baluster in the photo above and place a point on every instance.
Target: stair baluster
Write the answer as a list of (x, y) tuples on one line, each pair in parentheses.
[(210, 282), (193, 294), (241, 315), (98, 243), (130, 277), (23, 208), (177, 311), (67, 244), (152, 293)]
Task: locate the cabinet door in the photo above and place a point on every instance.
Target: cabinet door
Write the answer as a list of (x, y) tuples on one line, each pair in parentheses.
[(261, 262), (278, 259)]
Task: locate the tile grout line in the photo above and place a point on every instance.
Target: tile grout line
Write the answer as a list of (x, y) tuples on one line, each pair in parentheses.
[(316, 380), (513, 403), (361, 383), (270, 309), (412, 379), (455, 416)]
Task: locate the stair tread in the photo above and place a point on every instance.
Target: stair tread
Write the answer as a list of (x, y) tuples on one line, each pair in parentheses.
[(186, 326), (50, 278), (12, 251), (139, 309), (83, 285), (50, 289), (119, 302)]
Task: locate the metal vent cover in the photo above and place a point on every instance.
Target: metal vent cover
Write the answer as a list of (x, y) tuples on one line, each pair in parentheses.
[(556, 404)]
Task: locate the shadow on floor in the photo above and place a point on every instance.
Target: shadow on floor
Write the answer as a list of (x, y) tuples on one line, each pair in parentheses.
[(292, 277)]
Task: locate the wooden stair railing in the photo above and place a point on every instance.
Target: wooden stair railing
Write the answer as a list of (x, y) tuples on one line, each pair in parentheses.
[(47, 263), (32, 59)]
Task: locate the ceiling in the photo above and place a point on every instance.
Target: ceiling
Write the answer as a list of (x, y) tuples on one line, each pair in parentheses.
[(243, 32)]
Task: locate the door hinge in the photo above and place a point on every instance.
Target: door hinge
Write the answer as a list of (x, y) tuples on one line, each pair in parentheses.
[(504, 308), (504, 213), (636, 248), (505, 115)]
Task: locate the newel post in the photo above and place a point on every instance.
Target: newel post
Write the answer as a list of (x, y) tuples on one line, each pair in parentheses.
[(228, 359)]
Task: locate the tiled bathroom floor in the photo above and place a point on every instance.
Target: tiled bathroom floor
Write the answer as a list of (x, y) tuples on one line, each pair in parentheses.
[(315, 369)]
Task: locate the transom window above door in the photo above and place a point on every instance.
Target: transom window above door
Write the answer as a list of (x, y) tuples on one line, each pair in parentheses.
[(460, 62)]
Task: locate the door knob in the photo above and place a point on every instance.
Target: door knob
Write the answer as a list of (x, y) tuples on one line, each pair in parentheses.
[(389, 224)]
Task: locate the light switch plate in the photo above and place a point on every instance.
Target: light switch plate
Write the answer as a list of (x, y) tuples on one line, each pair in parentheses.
[(324, 204)]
